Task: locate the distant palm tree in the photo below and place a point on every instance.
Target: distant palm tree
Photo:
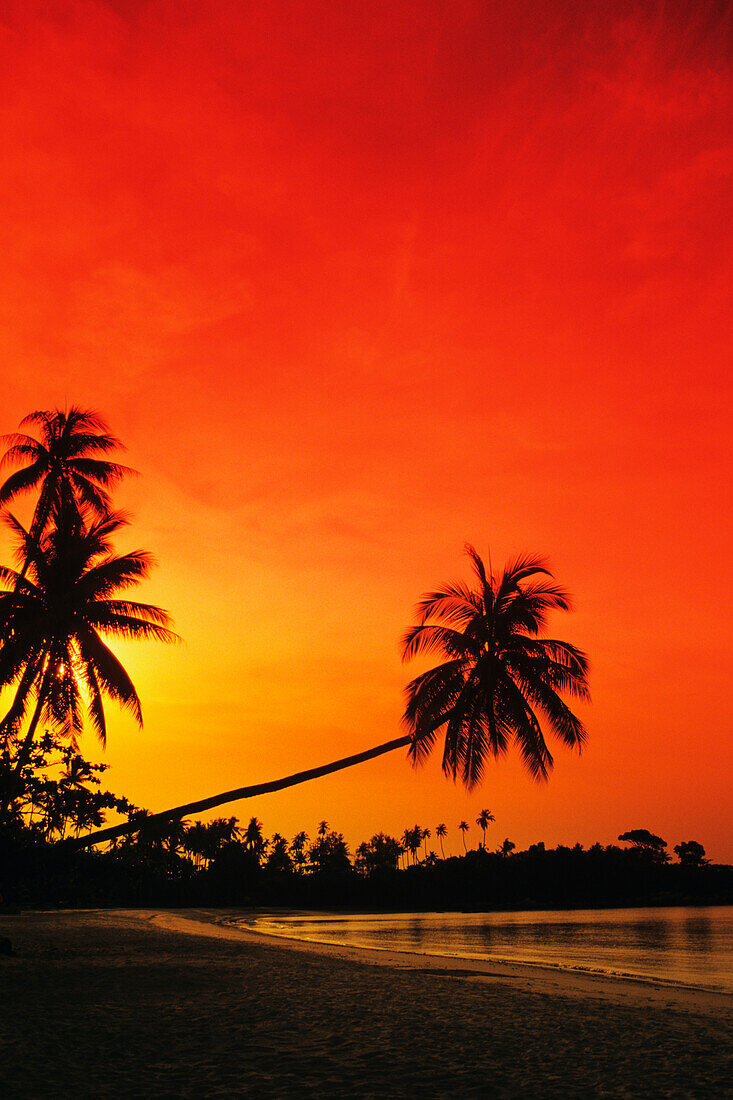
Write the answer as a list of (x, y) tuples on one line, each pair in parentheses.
[(322, 828), (483, 820), (51, 627), (297, 849), (405, 842), (253, 839), (506, 847), (498, 678), (440, 832), (64, 464), (426, 837), (463, 826)]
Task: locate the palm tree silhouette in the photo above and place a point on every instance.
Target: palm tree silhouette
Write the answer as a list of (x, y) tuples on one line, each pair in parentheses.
[(463, 826), (51, 626), (254, 841), (496, 673), (440, 831), (297, 847), (322, 828), (483, 820), (426, 837), (64, 464), (486, 695)]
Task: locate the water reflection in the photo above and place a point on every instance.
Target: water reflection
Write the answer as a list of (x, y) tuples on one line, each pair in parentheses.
[(694, 947)]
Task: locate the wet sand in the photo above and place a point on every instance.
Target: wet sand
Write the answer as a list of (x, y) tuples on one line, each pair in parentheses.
[(158, 1004)]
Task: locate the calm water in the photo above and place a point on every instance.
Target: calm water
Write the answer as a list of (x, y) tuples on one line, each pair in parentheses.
[(692, 947)]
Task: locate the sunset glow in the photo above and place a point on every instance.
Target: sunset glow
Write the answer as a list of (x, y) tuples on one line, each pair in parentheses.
[(357, 284)]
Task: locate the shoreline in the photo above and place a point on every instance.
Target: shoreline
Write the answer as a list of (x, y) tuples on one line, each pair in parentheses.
[(178, 1003), (529, 977)]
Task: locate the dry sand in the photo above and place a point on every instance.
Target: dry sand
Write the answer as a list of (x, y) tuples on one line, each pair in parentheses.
[(155, 1004)]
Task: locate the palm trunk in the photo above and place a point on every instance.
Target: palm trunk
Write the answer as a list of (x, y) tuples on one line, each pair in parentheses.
[(241, 792), (441, 848)]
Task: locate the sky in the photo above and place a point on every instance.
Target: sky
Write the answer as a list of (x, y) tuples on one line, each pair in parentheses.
[(357, 284)]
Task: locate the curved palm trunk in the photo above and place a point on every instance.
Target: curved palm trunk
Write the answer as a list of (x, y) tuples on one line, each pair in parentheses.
[(241, 792), (441, 847)]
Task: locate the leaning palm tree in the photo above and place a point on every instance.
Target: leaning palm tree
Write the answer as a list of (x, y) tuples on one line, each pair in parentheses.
[(483, 820), (64, 465), (463, 826), (52, 625), (501, 683), (440, 831)]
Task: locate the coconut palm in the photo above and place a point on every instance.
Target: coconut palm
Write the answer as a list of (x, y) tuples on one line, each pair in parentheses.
[(506, 847), (501, 682), (440, 831), (64, 465), (52, 627), (297, 849), (498, 675), (426, 837), (254, 841), (322, 828), (483, 820), (463, 826)]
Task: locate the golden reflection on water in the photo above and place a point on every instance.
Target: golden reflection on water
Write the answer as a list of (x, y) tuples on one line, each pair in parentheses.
[(689, 946)]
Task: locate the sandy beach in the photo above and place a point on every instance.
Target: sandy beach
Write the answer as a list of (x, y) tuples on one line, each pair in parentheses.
[(161, 1004)]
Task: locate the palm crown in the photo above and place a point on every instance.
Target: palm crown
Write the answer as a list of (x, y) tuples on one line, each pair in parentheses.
[(64, 463), (500, 682), (52, 622)]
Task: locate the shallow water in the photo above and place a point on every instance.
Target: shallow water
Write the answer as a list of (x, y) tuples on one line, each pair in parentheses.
[(686, 946)]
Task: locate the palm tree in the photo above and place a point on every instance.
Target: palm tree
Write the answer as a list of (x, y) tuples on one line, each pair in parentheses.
[(322, 828), (51, 627), (483, 820), (426, 837), (506, 847), (297, 847), (64, 464), (463, 826), (498, 673), (440, 831), (498, 677), (253, 839)]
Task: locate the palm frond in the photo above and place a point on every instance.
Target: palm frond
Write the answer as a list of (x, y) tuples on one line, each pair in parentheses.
[(110, 673), (20, 482), (423, 638), (454, 603)]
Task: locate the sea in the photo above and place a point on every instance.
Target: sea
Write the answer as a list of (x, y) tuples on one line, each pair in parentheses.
[(689, 947)]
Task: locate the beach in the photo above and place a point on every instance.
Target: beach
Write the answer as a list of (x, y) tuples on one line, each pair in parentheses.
[(175, 1004)]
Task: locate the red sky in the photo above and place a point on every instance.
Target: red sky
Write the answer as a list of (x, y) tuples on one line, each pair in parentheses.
[(357, 283)]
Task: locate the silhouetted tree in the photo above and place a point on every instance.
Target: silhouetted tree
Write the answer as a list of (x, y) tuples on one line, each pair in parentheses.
[(440, 832), (254, 841), (506, 847), (690, 853), (297, 849), (463, 826), (647, 843), (64, 465), (498, 675), (483, 820), (279, 858), (380, 853), (330, 854), (51, 631)]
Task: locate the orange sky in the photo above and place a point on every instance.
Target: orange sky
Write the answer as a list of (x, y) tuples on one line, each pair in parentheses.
[(357, 283)]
